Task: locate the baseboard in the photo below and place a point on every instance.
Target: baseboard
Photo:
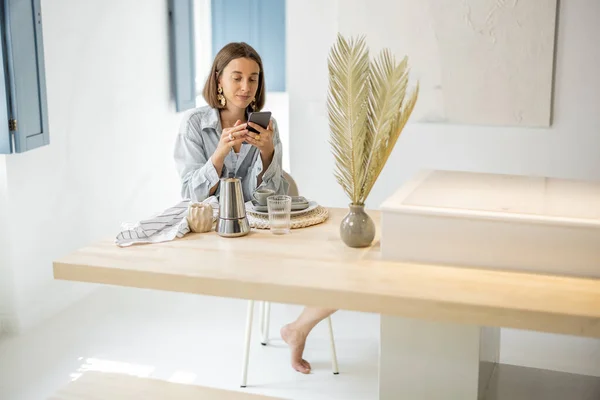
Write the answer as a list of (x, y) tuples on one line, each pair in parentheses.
[(571, 354), (56, 297)]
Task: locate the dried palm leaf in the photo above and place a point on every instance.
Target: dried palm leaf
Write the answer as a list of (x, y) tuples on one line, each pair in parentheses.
[(388, 113), (348, 91), (368, 109)]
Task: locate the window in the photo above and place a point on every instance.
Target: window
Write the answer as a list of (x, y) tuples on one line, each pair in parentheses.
[(23, 113)]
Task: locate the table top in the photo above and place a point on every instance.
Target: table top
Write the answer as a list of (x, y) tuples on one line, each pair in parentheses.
[(312, 266)]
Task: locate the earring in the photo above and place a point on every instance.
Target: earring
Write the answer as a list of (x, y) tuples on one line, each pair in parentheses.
[(253, 104), (220, 97)]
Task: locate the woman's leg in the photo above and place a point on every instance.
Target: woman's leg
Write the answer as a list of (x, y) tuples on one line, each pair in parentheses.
[(295, 334)]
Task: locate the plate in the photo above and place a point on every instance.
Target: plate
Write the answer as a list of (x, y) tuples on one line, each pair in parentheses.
[(295, 206), (250, 207)]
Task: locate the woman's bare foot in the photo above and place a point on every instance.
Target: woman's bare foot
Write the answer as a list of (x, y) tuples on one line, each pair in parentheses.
[(296, 340)]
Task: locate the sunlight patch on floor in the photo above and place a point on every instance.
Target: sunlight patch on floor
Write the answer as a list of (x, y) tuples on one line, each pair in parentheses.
[(119, 367)]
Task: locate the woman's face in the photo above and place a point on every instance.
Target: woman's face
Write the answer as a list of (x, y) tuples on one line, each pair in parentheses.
[(239, 81)]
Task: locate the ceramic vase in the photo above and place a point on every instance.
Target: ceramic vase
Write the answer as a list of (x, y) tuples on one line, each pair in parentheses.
[(357, 228)]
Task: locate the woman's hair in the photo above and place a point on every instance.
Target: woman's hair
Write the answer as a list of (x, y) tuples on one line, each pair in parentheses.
[(230, 52)]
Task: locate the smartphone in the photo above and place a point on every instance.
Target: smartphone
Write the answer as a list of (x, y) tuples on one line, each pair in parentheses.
[(261, 118)]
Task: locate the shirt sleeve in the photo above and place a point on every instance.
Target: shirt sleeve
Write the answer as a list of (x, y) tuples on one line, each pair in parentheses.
[(273, 176), (197, 173)]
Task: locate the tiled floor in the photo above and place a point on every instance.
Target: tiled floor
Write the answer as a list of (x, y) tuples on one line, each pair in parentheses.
[(199, 340)]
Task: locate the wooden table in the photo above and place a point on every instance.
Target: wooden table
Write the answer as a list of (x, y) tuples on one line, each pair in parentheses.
[(312, 266)]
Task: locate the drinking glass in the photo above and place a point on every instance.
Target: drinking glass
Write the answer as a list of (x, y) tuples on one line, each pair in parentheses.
[(280, 207)]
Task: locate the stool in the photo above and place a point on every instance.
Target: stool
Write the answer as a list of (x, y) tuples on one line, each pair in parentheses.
[(265, 316)]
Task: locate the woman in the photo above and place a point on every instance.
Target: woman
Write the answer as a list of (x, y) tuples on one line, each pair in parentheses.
[(214, 141)]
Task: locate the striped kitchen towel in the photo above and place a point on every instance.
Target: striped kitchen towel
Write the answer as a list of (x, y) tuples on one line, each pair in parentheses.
[(162, 227)]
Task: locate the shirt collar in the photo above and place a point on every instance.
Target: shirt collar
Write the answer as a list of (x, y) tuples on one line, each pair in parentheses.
[(211, 119)]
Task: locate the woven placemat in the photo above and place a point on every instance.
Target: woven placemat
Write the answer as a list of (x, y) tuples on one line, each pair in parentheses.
[(314, 217)]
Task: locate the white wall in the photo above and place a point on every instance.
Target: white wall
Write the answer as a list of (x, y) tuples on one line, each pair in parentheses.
[(7, 301), (569, 149), (112, 130)]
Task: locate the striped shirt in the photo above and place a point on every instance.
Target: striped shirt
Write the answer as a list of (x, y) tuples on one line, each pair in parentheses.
[(198, 137)]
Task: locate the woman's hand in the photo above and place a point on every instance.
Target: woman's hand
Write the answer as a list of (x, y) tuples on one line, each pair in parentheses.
[(264, 140), (231, 137)]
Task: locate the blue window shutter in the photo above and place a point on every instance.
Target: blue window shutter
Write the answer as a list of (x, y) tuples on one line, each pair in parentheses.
[(232, 21), (261, 24), (183, 53), (5, 140), (271, 39), (26, 81)]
